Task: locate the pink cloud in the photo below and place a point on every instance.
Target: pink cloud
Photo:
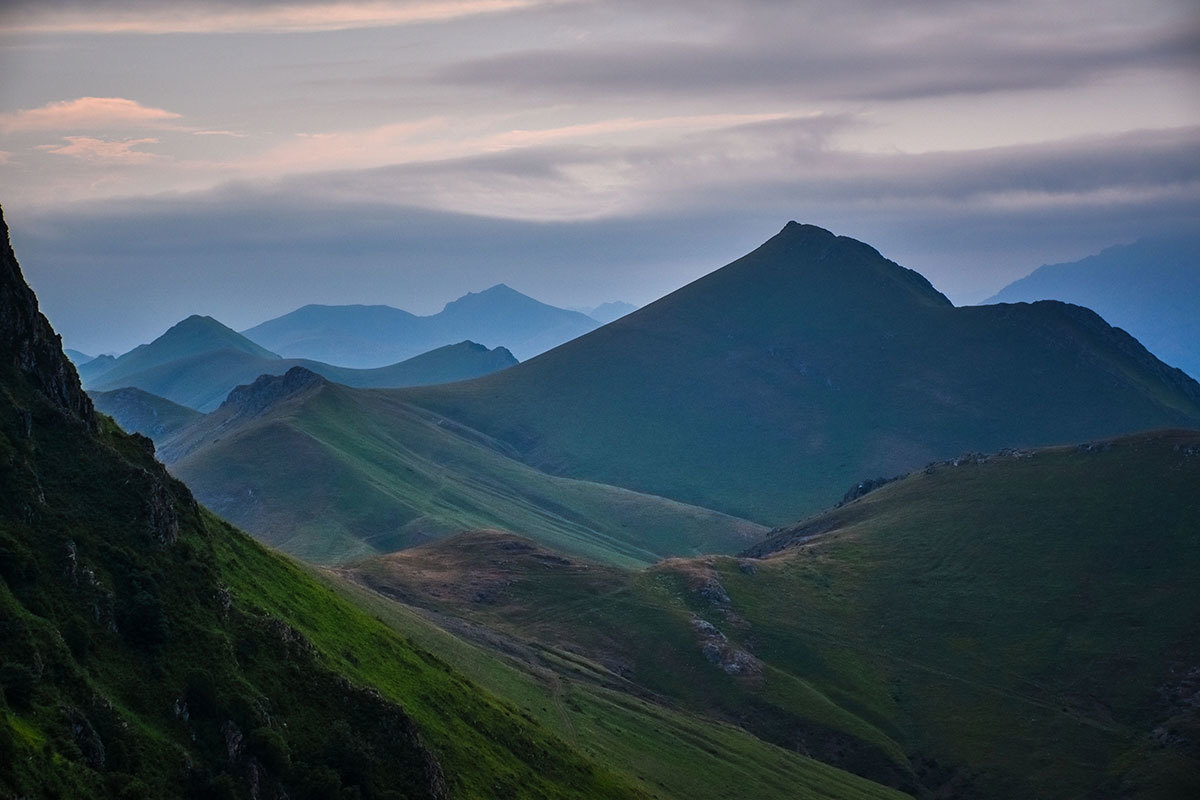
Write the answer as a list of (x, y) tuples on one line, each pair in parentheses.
[(86, 113), (269, 17), (118, 151)]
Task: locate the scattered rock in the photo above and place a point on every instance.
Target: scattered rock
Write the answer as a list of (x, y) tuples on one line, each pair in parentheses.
[(714, 593)]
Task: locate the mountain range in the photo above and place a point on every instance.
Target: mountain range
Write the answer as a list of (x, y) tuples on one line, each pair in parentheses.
[(753, 397), (149, 649), (767, 387), (198, 361), (1151, 288), (370, 336)]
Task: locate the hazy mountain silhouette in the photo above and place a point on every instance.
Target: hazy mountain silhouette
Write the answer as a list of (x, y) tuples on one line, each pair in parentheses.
[(1151, 288), (368, 336), (198, 361)]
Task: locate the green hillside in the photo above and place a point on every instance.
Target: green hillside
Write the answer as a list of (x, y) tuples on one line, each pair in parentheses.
[(330, 473), (1020, 625), (197, 362), (767, 387)]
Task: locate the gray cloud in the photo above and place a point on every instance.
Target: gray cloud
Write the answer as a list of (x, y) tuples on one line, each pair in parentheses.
[(865, 50)]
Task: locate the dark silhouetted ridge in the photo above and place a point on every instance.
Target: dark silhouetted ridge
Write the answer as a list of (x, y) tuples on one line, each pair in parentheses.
[(29, 343), (268, 390)]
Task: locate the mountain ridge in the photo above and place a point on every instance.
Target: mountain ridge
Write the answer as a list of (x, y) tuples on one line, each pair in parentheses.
[(198, 361), (1150, 287), (832, 359), (369, 335)]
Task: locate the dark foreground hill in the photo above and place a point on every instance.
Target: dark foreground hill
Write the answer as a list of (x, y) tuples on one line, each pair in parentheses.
[(767, 387), (368, 336), (196, 362), (149, 650), (331, 474), (1015, 625), (1151, 288)]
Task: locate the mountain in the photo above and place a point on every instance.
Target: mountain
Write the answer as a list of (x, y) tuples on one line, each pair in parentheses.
[(177, 366), (765, 388), (331, 474), (607, 312), (1020, 624), (194, 336), (137, 411), (1151, 288), (78, 358), (368, 336), (148, 649)]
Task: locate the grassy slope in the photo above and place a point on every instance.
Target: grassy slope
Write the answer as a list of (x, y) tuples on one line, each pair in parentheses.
[(669, 752), (131, 651), (767, 387), (338, 473), (996, 629)]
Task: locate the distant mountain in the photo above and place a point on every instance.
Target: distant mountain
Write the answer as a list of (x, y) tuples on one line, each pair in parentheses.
[(607, 312), (1021, 624), (193, 336), (332, 474), (1151, 288), (137, 411), (765, 388), (176, 366), (78, 358), (369, 336)]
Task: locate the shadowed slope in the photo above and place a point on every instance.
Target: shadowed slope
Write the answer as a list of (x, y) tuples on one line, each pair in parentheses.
[(768, 386)]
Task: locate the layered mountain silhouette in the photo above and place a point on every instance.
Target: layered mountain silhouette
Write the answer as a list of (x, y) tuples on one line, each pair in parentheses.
[(767, 387), (369, 336), (1151, 288), (196, 362)]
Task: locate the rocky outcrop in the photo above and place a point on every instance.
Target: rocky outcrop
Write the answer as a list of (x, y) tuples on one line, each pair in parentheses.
[(267, 390), (29, 343)]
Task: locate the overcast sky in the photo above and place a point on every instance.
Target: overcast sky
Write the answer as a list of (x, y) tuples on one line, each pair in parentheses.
[(240, 159)]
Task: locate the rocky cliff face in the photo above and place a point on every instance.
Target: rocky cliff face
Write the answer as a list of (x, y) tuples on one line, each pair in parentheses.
[(29, 343)]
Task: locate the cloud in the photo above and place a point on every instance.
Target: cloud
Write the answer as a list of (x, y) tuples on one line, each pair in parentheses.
[(86, 113), (233, 134), (862, 51), (113, 151), (161, 17)]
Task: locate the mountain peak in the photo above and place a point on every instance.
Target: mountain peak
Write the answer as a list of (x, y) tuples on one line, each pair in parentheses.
[(28, 343)]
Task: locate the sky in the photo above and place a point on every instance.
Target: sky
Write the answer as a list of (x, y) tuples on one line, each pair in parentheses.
[(241, 159)]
